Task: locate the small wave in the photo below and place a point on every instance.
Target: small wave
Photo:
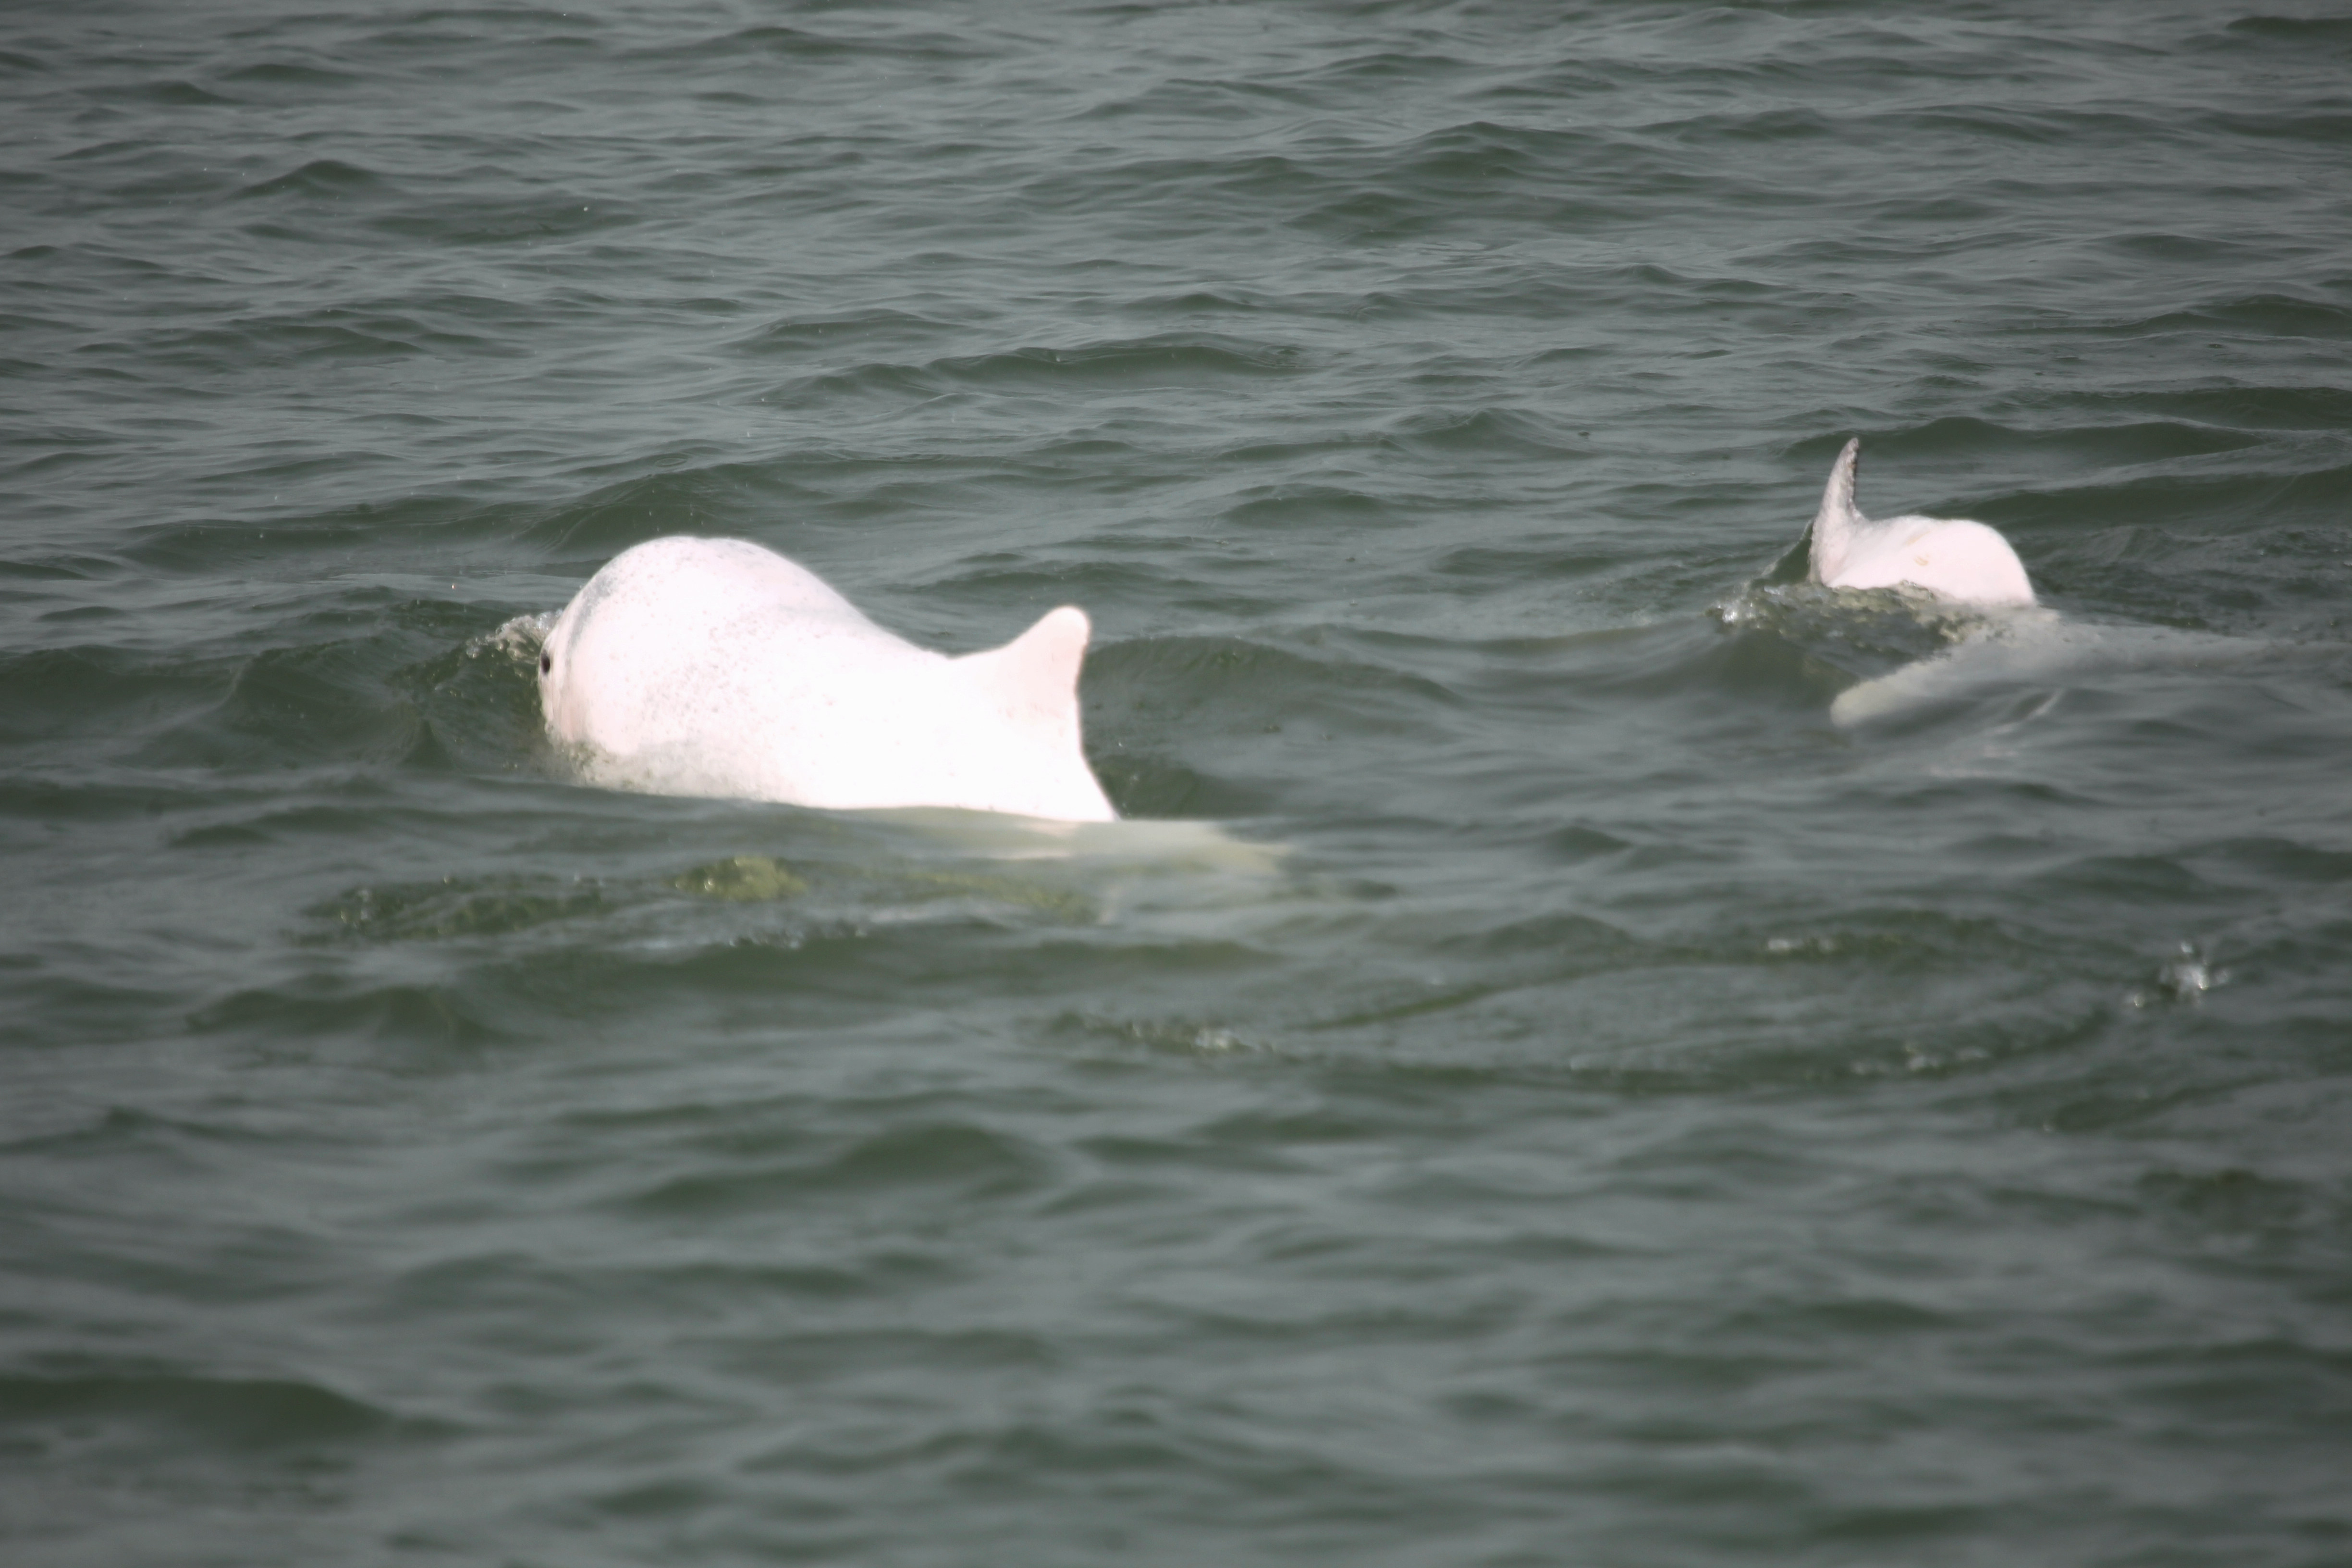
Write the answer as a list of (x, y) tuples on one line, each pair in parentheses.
[(774, 41), (242, 1415), (839, 331), (1163, 359), (1308, 506), (305, 704), (2265, 316), (1193, 726), (1233, 687), (2231, 1201), (598, 526), (1219, 301), (323, 179), (1491, 431), (288, 74), (234, 347), (1987, 445), (1742, 127), (2297, 30), (2244, 407), (963, 1162), (2331, 129), (176, 94), (472, 220)]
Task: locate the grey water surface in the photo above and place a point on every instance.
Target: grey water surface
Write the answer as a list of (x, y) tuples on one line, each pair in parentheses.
[(1541, 1092)]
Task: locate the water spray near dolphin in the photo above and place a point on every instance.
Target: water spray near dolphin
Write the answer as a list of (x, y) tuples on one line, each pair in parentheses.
[(716, 667)]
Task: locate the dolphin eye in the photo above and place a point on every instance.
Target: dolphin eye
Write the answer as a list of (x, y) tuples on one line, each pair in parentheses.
[(546, 662)]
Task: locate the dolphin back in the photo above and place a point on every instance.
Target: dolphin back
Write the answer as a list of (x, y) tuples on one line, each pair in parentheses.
[(1952, 558)]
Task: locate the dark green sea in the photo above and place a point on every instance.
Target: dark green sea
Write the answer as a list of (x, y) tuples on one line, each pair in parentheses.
[(1537, 1090)]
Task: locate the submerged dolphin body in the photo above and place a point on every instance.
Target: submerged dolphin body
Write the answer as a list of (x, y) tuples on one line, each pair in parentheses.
[(714, 667), (2035, 651), (1951, 558)]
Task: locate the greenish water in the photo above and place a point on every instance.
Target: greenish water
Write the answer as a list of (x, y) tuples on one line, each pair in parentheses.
[(1541, 1092)]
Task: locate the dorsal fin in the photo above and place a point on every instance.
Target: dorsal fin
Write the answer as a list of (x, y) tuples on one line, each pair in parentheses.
[(1834, 524), (1032, 684), (1035, 676)]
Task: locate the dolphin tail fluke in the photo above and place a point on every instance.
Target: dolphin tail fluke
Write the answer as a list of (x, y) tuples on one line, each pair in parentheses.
[(1834, 524)]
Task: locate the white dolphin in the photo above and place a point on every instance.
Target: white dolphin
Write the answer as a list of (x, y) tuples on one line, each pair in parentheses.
[(1951, 558), (1997, 638), (714, 667)]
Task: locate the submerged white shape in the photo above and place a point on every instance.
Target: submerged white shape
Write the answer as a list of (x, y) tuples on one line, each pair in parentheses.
[(715, 667), (2033, 649), (1136, 843), (1952, 558)]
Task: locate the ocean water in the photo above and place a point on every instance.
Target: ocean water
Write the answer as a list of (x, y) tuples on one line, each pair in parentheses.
[(1531, 1086)]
